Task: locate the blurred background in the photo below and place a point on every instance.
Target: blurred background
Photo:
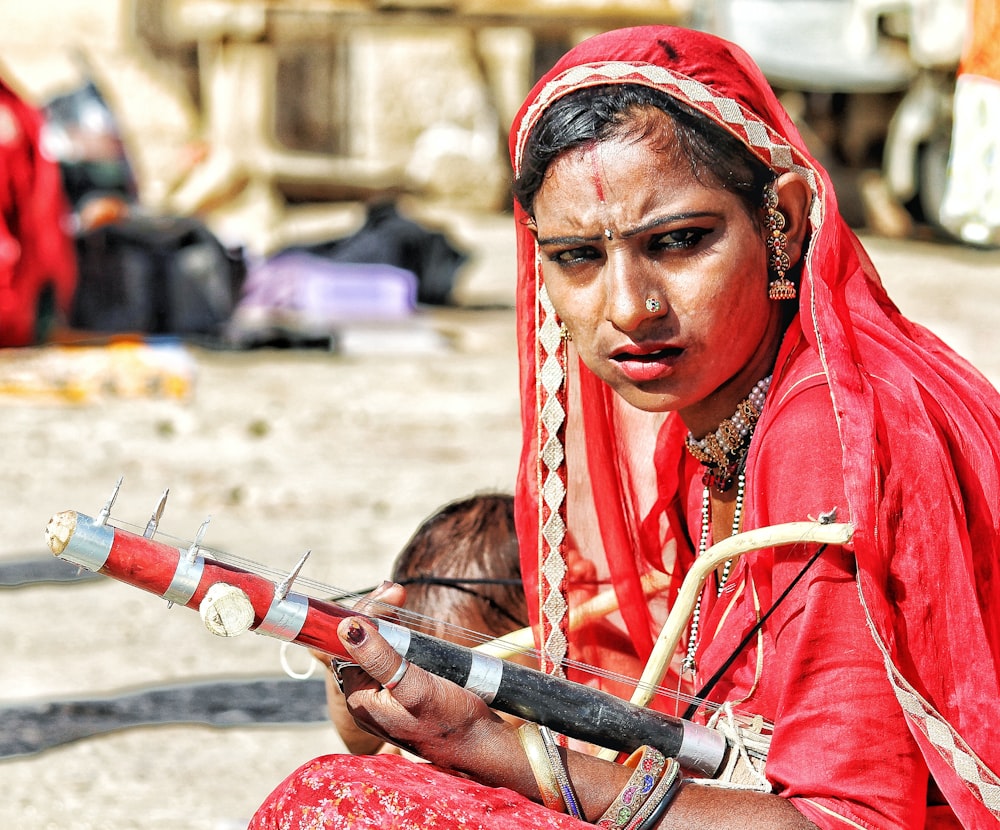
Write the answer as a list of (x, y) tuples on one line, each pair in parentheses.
[(224, 161), (214, 138), (261, 253)]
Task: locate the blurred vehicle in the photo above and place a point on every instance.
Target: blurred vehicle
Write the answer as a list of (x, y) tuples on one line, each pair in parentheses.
[(876, 80)]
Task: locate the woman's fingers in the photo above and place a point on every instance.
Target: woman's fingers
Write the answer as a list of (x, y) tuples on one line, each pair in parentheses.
[(371, 701), (388, 595), (414, 709), (371, 652), (340, 680)]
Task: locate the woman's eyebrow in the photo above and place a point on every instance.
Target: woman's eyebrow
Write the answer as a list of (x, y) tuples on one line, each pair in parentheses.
[(669, 219), (655, 222), (568, 240)]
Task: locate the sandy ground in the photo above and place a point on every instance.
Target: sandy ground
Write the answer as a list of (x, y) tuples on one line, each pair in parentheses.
[(287, 451)]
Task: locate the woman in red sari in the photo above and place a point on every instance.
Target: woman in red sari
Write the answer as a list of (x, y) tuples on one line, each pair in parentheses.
[(705, 348)]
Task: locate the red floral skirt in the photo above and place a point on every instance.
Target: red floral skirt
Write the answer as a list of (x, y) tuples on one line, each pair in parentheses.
[(394, 793)]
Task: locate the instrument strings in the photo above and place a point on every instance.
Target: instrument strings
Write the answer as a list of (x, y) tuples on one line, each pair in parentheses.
[(411, 619)]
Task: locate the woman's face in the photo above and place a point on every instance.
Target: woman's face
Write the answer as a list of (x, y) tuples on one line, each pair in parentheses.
[(691, 247)]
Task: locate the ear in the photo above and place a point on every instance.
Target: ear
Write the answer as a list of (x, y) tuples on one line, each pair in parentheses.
[(794, 201), (532, 226)]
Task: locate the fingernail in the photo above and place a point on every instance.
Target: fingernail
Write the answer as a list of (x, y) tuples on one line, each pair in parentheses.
[(381, 589), (356, 632)]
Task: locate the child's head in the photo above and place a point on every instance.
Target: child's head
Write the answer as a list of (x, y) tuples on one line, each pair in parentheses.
[(462, 567), (461, 572)]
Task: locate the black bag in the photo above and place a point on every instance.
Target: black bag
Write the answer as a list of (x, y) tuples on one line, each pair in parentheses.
[(155, 275), (388, 238)]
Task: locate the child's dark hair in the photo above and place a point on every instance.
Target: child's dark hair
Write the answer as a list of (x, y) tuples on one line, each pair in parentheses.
[(461, 566)]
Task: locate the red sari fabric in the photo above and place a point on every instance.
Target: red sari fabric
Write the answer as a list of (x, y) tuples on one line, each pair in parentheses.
[(36, 249), (915, 455), (809, 671), (349, 792)]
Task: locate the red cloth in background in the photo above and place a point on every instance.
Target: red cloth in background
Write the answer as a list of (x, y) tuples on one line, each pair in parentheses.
[(36, 249)]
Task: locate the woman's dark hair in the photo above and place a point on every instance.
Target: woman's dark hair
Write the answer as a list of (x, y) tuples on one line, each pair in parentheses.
[(462, 567), (602, 112)]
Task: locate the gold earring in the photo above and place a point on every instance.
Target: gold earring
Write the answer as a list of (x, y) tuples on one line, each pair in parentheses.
[(780, 288), (565, 333)]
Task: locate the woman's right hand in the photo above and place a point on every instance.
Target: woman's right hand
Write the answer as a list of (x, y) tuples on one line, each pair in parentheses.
[(425, 714)]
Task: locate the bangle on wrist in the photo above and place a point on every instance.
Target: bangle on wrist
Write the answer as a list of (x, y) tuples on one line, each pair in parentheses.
[(650, 813), (649, 764), (560, 773), (541, 767)]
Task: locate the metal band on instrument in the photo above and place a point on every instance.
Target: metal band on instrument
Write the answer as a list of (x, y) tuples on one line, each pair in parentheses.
[(397, 636), (90, 545), (485, 674), (701, 747), (285, 617), (186, 580)]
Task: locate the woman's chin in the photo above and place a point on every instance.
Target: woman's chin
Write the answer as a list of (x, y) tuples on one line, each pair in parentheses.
[(647, 397)]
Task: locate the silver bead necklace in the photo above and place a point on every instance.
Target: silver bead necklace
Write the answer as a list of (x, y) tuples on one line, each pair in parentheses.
[(689, 663)]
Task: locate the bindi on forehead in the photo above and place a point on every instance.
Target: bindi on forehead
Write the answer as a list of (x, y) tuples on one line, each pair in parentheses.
[(596, 171)]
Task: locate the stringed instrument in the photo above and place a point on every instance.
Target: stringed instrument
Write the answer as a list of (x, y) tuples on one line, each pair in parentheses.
[(233, 599)]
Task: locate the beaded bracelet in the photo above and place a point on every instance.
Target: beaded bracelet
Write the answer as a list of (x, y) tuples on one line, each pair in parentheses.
[(541, 767), (649, 765), (647, 816), (559, 770)]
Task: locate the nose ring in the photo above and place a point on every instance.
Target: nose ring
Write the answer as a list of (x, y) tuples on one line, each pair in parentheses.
[(652, 305)]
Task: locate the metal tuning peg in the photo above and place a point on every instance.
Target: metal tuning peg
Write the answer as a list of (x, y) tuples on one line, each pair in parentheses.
[(192, 552), (154, 520), (282, 588), (102, 517)]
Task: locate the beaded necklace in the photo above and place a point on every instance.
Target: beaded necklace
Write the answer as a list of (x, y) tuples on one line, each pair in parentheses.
[(689, 663), (724, 451), (723, 454)]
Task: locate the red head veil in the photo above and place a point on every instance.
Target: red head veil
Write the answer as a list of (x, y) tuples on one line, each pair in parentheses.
[(919, 427)]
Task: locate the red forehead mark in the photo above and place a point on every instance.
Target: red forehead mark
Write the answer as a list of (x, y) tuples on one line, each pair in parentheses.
[(596, 166)]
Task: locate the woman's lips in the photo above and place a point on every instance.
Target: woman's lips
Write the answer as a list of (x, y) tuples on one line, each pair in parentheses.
[(647, 365)]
